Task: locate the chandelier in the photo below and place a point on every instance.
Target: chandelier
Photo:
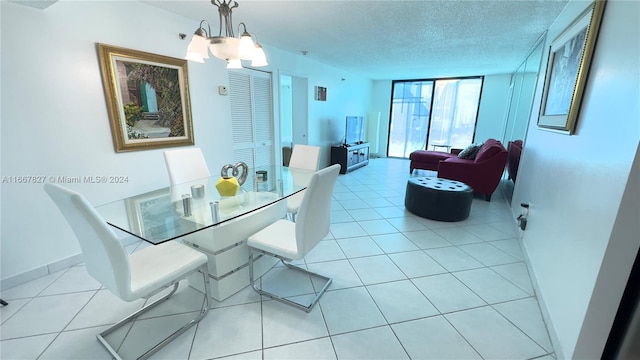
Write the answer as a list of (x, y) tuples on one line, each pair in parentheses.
[(227, 47)]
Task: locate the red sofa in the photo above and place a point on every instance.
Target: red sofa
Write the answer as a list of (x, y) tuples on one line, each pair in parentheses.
[(483, 173), (427, 160), (514, 150)]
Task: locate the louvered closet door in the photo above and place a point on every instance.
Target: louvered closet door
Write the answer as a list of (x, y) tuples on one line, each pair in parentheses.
[(252, 118)]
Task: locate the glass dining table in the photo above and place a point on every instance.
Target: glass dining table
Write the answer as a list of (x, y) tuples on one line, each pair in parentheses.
[(195, 214), (175, 211)]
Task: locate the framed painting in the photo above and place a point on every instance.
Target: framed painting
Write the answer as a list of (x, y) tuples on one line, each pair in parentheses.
[(567, 71), (147, 213), (147, 99), (321, 93), (156, 216)]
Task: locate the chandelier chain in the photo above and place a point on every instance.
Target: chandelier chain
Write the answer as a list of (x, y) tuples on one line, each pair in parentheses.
[(225, 11), (226, 46)]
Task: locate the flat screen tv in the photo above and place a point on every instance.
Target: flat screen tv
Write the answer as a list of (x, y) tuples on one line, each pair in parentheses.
[(354, 130)]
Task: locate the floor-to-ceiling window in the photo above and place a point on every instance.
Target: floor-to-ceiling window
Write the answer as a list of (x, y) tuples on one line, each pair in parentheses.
[(431, 114)]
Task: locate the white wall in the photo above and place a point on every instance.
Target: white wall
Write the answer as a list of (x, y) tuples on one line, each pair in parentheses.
[(575, 185), (493, 107), (55, 122), (623, 240), (347, 94), (327, 124), (286, 110), (491, 114)]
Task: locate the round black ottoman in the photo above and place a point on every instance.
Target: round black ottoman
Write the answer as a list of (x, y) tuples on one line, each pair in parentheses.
[(438, 199)]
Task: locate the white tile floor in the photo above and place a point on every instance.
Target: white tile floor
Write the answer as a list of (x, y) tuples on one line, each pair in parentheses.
[(404, 288)]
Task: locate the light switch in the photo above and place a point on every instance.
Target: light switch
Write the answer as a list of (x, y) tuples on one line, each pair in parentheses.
[(222, 90)]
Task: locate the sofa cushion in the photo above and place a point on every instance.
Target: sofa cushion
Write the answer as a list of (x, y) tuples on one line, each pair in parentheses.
[(490, 148), (426, 155), (470, 151), (427, 160)]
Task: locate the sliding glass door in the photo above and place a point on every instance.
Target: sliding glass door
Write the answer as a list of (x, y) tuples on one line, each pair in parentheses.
[(410, 113), (437, 114)]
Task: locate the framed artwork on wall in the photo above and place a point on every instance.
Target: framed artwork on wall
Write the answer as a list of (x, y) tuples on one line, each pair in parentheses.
[(321, 93), (567, 70), (147, 99)]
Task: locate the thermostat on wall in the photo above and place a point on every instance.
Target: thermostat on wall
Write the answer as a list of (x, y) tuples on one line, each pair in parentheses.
[(222, 90)]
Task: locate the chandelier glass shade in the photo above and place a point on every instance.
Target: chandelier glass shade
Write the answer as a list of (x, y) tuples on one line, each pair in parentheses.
[(226, 46)]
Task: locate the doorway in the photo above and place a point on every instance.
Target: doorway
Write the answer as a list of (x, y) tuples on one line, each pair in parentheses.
[(294, 106)]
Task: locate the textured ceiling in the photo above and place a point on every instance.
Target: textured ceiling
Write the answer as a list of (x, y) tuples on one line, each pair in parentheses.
[(392, 39), (38, 4)]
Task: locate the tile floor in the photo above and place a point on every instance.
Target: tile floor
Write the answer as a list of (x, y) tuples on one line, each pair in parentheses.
[(404, 288)]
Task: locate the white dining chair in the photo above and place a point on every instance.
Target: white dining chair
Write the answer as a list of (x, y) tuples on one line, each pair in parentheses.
[(288, 240), (186, 165), (130, 277), (303, 157)]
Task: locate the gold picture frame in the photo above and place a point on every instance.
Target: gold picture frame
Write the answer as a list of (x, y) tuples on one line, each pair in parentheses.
[(147, 99), (567, 70)]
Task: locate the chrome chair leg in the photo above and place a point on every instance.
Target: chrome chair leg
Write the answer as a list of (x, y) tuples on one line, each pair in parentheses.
[(291, 216), (306, 308), (203, 311)]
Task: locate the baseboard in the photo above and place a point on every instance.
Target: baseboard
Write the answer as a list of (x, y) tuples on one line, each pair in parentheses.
[(24, 277), (541, 303), (544, 310), (508, 194), (50, 268), (40, 271)]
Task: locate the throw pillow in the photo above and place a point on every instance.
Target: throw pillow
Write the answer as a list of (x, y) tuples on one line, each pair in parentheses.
[(470, 152)]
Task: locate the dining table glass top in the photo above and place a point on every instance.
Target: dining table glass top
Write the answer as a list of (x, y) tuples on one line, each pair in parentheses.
[(169, 213)]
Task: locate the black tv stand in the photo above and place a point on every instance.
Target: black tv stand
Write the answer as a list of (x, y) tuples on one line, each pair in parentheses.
[(350, 156)]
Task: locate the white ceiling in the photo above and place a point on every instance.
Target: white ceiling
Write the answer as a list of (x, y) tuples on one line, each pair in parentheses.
[(38, 4), (393, 39)]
